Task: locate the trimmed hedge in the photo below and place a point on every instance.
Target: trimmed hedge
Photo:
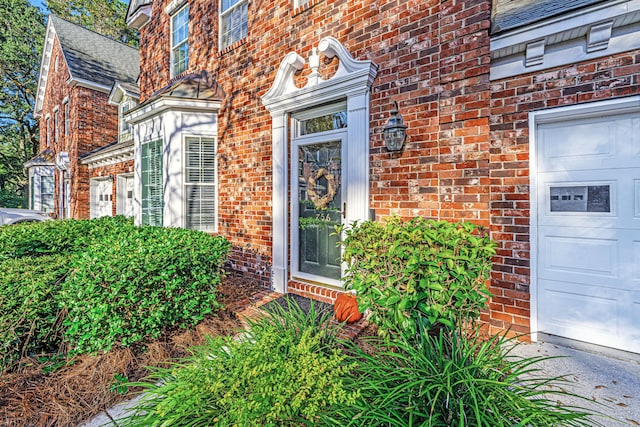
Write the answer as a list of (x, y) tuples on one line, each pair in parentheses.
[(88, 285), (129, 286), (29, 314), (57, 237)]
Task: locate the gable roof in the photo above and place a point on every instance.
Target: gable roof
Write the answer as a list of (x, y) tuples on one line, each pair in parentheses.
[(93, 59), (509, 14)]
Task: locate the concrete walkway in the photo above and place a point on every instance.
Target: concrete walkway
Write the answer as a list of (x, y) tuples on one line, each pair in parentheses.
[(612, 379)]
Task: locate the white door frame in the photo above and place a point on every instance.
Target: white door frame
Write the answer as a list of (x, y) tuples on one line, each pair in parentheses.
[(559, 114), (352, 81)]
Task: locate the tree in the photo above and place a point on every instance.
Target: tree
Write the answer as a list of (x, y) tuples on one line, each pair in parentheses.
[(22, 31), (107, 17)]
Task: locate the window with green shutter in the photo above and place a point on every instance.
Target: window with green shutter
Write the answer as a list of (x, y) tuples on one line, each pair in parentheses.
[(200, 183), (152, 194)]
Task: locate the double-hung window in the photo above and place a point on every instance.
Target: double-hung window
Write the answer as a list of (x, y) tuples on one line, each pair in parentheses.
[(180, 41), (234, 21), (46, 193), (66, 118), (125, 130), (152, 193), (200, 183), (55, 125)]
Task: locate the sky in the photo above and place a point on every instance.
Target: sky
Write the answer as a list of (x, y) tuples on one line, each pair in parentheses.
[(39, 3)]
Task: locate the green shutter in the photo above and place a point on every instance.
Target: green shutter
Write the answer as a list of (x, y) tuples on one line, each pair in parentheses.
[(200, 183), (152, 185)]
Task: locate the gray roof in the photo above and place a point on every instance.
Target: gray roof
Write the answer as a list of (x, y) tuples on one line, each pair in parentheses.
[(188, 86), (43, 158), (94, 57), (510, 14)]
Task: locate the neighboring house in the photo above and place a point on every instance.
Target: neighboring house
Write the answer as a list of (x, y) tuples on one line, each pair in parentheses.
[(264, 123), (79, 70)]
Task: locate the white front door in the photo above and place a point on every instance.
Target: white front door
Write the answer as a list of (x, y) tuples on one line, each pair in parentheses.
[(588, 230), (124, 194), (101, 198)]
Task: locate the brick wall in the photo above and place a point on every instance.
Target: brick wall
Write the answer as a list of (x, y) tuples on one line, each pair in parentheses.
[(92, 123), (511, 101), (432, 58)]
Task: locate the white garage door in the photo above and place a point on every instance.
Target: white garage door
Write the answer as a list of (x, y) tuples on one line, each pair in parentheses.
[(588, 230)]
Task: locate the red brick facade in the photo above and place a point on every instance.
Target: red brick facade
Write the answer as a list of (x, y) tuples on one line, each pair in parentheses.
[(92, 124), (467, 152), (433, 60)]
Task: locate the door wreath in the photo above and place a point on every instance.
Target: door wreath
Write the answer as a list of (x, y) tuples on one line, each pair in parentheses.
[(333, 182)]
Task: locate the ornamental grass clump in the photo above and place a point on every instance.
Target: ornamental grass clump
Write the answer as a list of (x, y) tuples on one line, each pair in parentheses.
[(453, 379), (286, 371), (419, 271)]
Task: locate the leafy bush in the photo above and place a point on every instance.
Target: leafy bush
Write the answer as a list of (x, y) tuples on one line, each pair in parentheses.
[(57, 237), (284, 372), (98, 283), (406, 272), (130, 285), (29, 314), (450, 379)]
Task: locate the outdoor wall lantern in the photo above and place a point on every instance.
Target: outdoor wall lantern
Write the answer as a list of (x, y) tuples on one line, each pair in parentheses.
[(395, 131)]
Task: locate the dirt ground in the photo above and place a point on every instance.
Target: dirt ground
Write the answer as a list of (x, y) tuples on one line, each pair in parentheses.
[(37, 395)]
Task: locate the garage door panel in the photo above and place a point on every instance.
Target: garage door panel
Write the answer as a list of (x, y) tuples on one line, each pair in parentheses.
[(598, 256), (587, 236), (600, 316), (590, 144), (568, 306)]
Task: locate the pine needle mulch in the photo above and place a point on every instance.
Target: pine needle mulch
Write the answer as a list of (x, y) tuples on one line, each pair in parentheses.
[(86, 385)]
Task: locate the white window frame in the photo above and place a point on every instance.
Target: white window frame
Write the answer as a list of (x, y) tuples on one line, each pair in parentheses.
[(223, 14), (43, 194), (56, 124), (184, 9), (162, 180), (66, 117), (48, 129), (124, 127), (186, 184)]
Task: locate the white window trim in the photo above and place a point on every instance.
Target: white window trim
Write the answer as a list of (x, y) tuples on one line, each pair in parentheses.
[(171, 46), (65, 102), (582, 111), (352, 80), (47, 121), (185, 183), (223, 14), (56, 124)]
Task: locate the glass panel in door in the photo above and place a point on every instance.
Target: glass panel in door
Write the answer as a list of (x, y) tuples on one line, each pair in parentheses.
[(320, 208)]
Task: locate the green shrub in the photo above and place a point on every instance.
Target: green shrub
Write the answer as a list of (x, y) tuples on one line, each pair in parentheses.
[(451, 380), (285, 372), (57, 237), (29, 314), (419, 270), (130, 285)]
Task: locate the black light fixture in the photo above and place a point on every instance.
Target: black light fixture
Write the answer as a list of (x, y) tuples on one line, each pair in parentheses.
[(395, 131)]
